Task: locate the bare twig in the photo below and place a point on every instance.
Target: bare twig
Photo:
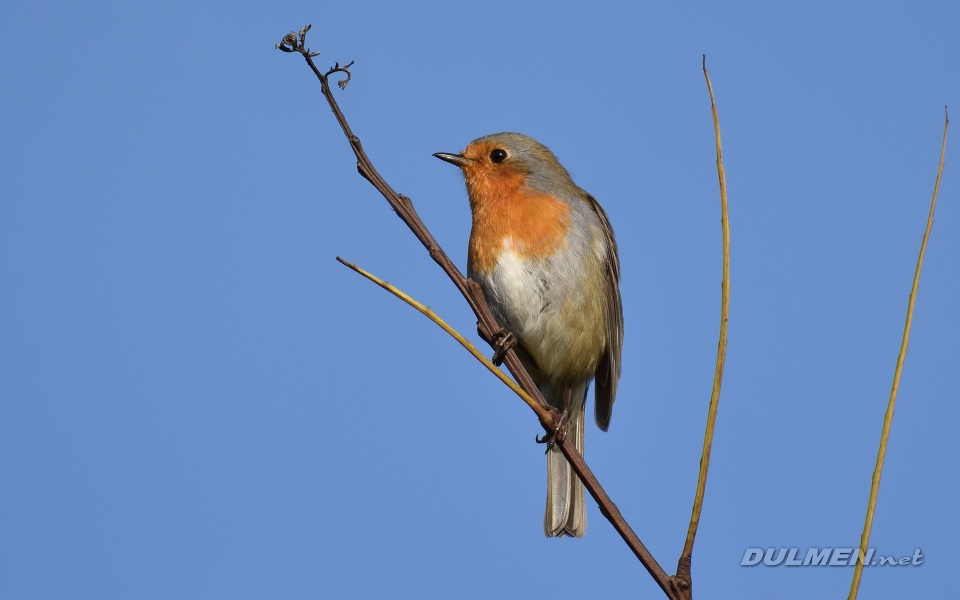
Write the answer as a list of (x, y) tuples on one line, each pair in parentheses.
[(427, 312), (403, 206), (888, 417), (683, 567), (487, 325)]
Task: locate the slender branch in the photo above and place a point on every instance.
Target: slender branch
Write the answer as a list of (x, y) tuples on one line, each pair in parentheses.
[(427, 312), (683, 568), (612, 513), (888, 417), (487, 325)]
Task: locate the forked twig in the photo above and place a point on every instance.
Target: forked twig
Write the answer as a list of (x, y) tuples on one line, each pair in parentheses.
[(487, 325), (888, 417)]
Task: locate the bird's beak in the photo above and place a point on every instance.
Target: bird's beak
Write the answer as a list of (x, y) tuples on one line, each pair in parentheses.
[(454, 159)]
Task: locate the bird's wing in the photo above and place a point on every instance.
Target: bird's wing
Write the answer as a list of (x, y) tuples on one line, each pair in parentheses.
[(608, 369)]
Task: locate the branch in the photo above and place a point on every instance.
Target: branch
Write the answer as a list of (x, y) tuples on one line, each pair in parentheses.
[(683, 567), (427, 312), (487, 325), (888, 417)]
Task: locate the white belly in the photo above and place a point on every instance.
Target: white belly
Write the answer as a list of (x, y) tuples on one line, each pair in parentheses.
[(551, 312)]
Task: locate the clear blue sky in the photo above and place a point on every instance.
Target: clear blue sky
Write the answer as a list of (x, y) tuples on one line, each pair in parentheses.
[(197, 401)]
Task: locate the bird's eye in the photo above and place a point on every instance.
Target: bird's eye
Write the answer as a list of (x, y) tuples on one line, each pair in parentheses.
[(498, 156)]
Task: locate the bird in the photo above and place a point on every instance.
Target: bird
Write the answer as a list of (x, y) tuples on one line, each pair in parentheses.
[(543, 252)]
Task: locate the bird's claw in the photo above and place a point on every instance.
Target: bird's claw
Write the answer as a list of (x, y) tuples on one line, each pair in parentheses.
[(502, 341), (557, 437)]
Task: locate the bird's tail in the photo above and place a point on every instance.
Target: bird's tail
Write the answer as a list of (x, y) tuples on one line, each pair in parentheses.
[(566, 513)]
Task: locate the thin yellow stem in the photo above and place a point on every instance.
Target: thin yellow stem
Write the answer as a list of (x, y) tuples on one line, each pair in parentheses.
[(888, 417), (456, 335), (722, 345)]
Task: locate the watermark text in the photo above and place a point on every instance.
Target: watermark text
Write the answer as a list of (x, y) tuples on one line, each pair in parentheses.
[(825, 557)]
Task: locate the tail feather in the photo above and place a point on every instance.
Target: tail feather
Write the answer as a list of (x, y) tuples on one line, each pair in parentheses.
[(566, 513)]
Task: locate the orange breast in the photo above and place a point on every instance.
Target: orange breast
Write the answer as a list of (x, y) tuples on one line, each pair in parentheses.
[(508, 217)]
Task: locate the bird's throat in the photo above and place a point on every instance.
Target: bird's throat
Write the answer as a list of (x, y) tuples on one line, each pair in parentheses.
[(508, 217)]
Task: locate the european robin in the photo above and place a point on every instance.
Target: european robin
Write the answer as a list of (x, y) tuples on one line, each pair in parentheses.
[(544, 253)]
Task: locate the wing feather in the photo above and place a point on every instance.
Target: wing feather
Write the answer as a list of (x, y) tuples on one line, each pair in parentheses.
[(609, 367)]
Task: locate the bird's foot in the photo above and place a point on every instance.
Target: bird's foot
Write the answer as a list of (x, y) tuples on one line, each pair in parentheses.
[(557, 436), (502, 341)]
